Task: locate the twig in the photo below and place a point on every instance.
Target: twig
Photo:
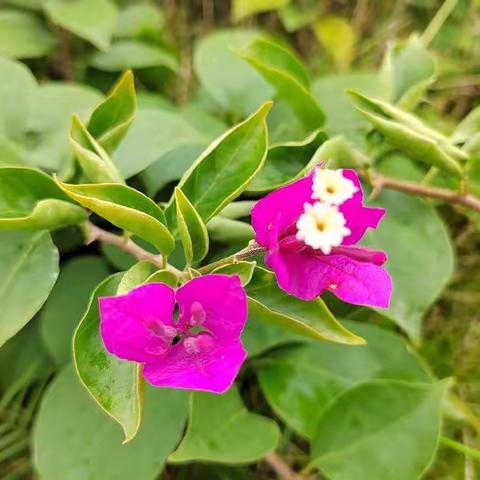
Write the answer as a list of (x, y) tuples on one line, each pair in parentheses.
[(94, 233), (380, 182), (281, 468)]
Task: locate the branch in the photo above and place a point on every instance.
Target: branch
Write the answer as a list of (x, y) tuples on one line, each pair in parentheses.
[(380, 182), (281, 468), (94, 233)]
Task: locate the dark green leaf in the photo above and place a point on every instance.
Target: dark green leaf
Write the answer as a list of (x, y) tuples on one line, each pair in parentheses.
[(28, 271), (311, 319), (221, 429)]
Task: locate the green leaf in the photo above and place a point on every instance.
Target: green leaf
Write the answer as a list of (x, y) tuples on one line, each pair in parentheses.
[(230, 81), (17, 86), (337, 152), (111, 119), (311, 319), (281, 69), (74, 440), (246, 8), (139, 20), (338, 38), (92, 20), (92, 157), (220, 429), (134, 276), (384, 429), (191, 228), (300, 382), (57, 327), (28, 271), (135, 54), (116, 385), (226, 230), (415, 239), (30, 200), (288, 161), (408, 133), (224, 170), (409, 65), (125, 208), (243, 269), (50, 119), (163, 276), (22, 35)]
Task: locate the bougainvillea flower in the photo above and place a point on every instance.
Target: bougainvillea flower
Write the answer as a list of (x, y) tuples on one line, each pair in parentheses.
[(310, 229), (201, 350)]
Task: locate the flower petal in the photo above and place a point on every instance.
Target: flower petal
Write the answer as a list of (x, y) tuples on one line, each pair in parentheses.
[(132, 325), (307, 276), (224, 301), (358, 217), (284, 206), (210, 371)]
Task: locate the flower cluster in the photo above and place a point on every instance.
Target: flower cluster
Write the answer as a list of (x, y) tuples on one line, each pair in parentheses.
[(309, 229)]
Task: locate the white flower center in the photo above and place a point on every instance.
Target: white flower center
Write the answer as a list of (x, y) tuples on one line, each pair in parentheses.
[(322, 227), (330, 186)]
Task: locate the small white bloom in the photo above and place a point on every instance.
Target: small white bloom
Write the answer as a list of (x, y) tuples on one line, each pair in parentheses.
[(330, 186), (321, 227)]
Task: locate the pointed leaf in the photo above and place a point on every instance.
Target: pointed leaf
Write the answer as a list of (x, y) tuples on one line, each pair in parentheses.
[(281, 69), (191, 228), (311, 319), (126, 208), (112, 118), (28, 271), (220, 429), (224, 170), (134, 276), (93, 159), (30, 200)]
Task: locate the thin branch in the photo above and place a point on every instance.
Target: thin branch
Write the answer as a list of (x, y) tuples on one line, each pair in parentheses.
[(281, 468), (380, 182), (94, 233)]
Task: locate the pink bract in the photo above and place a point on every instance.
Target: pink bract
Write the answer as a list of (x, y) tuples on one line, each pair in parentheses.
[(352, 273), (200, 351)]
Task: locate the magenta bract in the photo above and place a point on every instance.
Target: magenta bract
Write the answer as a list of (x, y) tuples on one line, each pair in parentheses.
[(310, 230), (201, 350)]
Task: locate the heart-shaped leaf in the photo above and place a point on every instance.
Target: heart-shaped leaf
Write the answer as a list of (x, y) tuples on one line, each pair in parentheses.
[(28, 271), (112, 118), (191, 228), (224, 170), (301, 381), (310, 319), (126, 208), (384, 429), (69, 422), (281, 69), (220, 429), (30, 199)]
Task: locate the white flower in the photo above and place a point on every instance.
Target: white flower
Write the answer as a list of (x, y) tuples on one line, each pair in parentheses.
[(321, 226), (330, 186)]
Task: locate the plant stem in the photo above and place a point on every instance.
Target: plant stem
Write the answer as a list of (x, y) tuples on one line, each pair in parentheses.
[(437, 21), (460, 447), (94, 233), (253, 249), (380, 182), (281, 468)]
